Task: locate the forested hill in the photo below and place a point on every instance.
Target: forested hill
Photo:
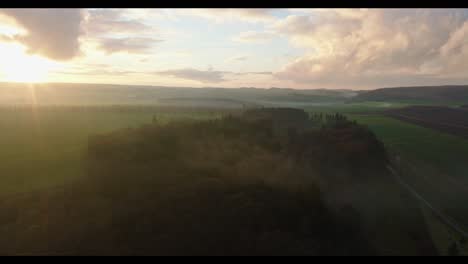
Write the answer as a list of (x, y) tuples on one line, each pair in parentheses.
[(420, 94), (103, 94), (262, 182)]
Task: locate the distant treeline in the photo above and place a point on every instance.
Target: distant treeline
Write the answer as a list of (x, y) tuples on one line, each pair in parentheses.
[(115, 108), (448, 94)]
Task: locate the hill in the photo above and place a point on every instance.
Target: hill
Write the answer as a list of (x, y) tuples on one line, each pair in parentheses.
[(103, 94), (262, 182), (420, 95), (446, 119)]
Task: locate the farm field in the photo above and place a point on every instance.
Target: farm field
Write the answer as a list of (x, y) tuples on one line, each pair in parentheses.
[(355, 108), (445, 119), (43, 148), (434, 163)]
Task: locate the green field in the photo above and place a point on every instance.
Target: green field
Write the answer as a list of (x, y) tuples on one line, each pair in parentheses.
[(350, 108), (49, 143), (421, 144), (44, 148), (435, 165)]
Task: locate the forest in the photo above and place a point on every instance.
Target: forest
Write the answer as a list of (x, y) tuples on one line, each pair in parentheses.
[(257, 182)]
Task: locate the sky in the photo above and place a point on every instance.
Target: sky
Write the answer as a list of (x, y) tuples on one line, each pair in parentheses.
[(287, 48)]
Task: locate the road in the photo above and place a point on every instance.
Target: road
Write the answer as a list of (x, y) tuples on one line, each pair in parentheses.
[(446, 219)]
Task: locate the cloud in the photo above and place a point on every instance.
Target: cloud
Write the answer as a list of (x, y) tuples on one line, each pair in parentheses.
[(238, 58), (208, 76), (120, 30), (53, 33), (252, 73), (114, 21), (101, 72), (372, 47), (95, 69), (253, 15), (128, 45), (254, 37)]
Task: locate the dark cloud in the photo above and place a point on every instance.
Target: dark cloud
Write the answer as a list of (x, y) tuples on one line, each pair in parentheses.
[(53, 33)]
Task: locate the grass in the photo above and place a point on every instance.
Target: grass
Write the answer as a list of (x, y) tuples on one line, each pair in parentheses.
[(43, 149), (445, 152), (435, 165)]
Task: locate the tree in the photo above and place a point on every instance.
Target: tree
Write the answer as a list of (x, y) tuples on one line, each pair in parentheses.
[(453, 250)]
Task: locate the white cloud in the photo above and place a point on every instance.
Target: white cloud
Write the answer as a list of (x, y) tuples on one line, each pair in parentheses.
[(253, 15), (208, 76), (254, 37), (128, 45), (372, 47), (238, 58), (114, 21)]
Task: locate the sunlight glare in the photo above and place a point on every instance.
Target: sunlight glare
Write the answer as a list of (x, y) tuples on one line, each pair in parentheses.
[(18, 66)]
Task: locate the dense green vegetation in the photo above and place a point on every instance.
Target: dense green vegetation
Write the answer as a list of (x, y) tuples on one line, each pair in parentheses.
[(268, 181)]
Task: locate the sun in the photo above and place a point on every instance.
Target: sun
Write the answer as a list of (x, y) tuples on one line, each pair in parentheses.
[(18, 66)]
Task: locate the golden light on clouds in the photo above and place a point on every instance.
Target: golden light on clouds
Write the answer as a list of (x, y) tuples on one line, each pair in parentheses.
[(299, 48)]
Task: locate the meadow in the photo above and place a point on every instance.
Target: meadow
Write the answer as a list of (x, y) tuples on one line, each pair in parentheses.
[(43, 147), (434, 164)]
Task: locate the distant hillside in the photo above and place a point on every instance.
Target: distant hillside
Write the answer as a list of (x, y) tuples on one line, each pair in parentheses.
[(101, 94), (420, 94), (446, 119)]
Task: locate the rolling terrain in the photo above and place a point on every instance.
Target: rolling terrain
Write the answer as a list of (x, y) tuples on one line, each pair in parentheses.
[(101, 94), (430, 95), (46, 131), (265, 181)]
